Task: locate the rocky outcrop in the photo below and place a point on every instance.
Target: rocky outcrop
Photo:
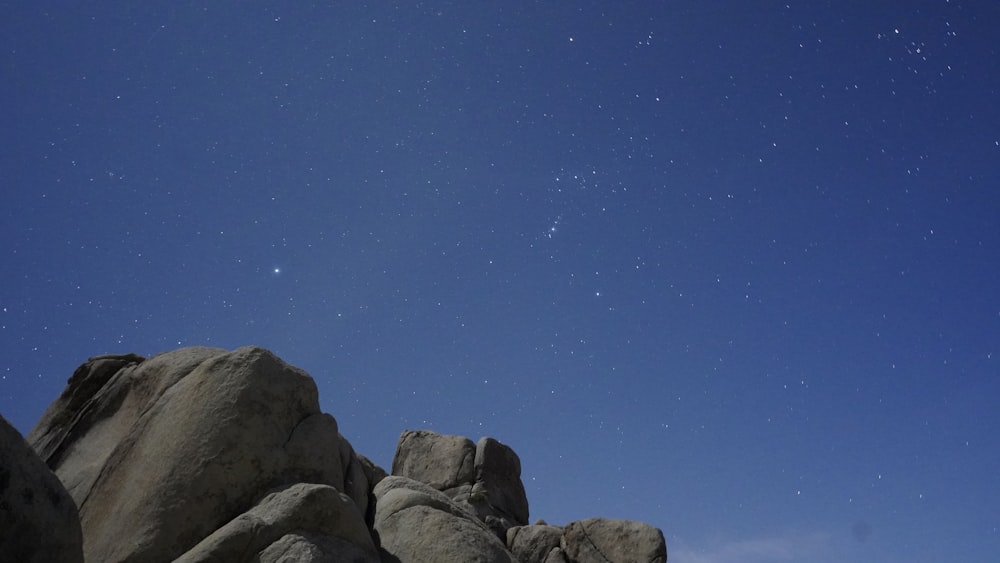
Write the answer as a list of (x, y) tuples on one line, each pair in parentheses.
[(483, 478), (315, 522), (595, 540), (415, 522), (598, 540), (38, 520), (208, 455), (539, 543), (166, 451)]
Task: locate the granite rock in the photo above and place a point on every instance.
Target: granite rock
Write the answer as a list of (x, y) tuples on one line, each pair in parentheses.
[(316, 522), (183, 443), (209, 455), (38, 519), (535, 543), (484, 478), (416, 523), (599, 540)]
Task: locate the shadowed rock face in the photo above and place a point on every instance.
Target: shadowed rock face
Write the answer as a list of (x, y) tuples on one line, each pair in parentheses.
[(295, 519), (38, 520), (203, 454)]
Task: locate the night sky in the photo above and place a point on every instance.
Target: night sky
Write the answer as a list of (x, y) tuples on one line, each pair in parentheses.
[(730, 268)]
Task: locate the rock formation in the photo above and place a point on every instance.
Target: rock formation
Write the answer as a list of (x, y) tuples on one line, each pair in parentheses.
[(38, 519), (483, 478), (203, 454)]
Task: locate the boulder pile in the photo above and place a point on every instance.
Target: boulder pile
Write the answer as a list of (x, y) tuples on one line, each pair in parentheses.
[(204, 454)]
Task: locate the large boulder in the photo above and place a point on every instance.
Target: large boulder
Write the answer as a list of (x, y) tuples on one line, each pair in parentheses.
[(599, 540), (439, 460), (498, 470), (484, 478), (595, 540), (38, 519), (416, 523), (184, 442), (538, 543), (309, 521)]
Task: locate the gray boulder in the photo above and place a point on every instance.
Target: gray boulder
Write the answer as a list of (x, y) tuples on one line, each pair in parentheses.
[(599, 540), (307, 522), (101, 401), (439, 460), (38, 519), (498, 470), (484, 478), (183, 443), (596, 540), (309, 548), (535, 543), (417, 523)]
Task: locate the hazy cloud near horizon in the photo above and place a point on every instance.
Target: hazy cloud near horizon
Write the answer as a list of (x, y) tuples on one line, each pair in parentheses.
[(815, 547)]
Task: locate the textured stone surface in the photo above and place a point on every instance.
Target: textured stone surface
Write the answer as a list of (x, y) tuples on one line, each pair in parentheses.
[(184, 442), (308, 548), (485, 478), (498, 471), (533, 544), (313, 520), (99, 407), (38, 519), (599, 540), (416, 523), (362, 476), (441, 461)]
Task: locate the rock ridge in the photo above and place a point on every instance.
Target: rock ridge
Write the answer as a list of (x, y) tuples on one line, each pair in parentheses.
[(204, 454)]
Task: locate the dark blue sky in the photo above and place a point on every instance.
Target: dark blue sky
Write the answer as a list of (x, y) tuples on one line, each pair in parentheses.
[(728, 268)]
